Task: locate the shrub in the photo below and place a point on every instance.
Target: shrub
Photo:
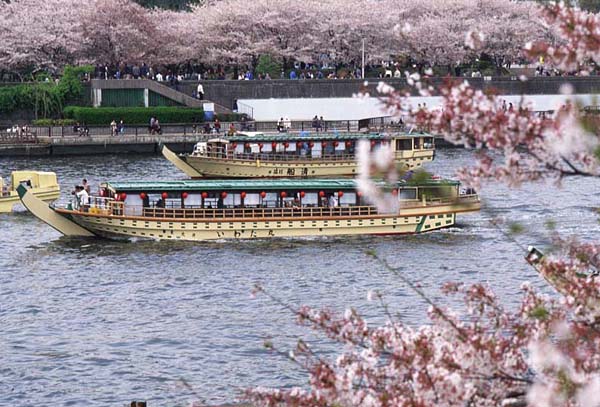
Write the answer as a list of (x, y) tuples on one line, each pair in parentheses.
[(54, 122), (267, 64), (230, 117), (133, 115), (46, 99)]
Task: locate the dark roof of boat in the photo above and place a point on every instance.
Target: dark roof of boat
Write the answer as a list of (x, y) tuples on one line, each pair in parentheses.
[(249, 185), (303, 136)]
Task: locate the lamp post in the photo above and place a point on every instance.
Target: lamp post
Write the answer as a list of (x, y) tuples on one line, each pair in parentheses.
[(363, 59)]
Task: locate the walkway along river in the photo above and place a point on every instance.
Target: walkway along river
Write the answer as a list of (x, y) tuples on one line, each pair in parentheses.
[(102, 323)]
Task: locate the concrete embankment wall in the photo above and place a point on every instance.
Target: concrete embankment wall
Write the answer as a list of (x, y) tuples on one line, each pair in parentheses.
[(33, 150), (227, 92)]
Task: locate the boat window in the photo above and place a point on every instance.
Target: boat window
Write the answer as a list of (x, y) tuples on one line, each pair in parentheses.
[(407, 193), (418, 141), (428, 142), (252, 200), (403, 144), (310, 199), (349, 198)]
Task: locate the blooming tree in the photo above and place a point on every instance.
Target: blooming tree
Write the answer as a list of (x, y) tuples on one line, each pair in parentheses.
[(546, 353), (56, 32)]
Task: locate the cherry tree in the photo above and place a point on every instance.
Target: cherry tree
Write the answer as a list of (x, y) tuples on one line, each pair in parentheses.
[(118, 31), (39, 35), (545, 353)]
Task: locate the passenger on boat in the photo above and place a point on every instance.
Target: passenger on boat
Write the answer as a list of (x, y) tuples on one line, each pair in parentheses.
[(82, 199), (160, 203)]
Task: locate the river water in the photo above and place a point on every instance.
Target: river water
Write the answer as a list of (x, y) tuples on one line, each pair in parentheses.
[(97, 323)]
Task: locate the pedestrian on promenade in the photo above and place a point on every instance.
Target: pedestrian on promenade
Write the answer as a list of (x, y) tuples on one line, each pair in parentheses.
[(315, 123), (113, 128), (200, 91), (121, 127), (217, 125)]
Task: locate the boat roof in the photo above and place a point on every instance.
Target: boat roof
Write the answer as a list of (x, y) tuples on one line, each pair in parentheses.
[(303, 136), (250, 185)]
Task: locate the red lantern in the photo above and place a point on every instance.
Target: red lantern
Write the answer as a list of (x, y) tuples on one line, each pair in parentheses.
[(260, 146), (263, 194), (372, 143), (286, 144), (340, 194), (283, 194), (184, 195), (323, 144), (299, 145), (223, 195), (302, 194), (358, 194), (123, 196), (311, 144), (204, 195), (247, 145), (143, 195), (164, 195), (273, 145), (234, 145), (321, 194), (243, 195), (348, 144), (335, 143)]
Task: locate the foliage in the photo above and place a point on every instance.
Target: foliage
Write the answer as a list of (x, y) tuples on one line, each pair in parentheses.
[(545, 352), (267, 64), (54, 122), (44, 98), (52, 33), (133, 115)]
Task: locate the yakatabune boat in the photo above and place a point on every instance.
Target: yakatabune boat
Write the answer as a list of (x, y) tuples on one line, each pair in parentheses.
[(242, 209), (42, 184), (257, 155)]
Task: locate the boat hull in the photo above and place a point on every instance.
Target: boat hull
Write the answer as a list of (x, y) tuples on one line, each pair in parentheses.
[(412, 221), (210, 167)]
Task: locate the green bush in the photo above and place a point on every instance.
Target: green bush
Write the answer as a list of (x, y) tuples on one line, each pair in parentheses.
[(267, 64), (46, 99), (230, 117), (132, 115), (54, 122)]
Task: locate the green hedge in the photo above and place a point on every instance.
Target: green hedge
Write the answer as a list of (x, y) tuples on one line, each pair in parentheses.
[(54, 122), (133, 115)]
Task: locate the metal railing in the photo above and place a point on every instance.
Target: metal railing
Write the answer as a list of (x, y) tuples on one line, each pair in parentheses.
[(110, 207), (292, 156), (18, 138)]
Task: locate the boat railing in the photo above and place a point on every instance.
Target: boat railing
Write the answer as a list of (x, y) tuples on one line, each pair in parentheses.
[(110, 207), (118, 208), (279, 157)]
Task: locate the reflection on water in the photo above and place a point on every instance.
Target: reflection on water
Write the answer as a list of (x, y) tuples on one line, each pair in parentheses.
[(97, 322)]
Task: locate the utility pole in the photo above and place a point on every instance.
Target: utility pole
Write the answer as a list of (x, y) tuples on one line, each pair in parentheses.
[(363, 58)]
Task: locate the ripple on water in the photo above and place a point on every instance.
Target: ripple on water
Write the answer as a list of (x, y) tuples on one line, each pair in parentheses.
[(96, 322)]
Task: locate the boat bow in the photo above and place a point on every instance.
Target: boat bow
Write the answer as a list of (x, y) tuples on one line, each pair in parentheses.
[(179, 163), (42, 211)]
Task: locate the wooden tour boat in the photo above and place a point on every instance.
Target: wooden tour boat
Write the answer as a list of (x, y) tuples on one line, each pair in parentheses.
[(257, 155), (41, 184), (198, 210)]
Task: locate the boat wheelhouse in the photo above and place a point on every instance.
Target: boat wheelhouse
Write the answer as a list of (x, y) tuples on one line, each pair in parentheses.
[(244, 209), (42, 184), (258, 155)]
